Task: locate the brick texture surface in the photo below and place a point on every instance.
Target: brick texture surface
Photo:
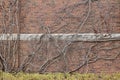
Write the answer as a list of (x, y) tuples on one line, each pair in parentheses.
[(67, 16)]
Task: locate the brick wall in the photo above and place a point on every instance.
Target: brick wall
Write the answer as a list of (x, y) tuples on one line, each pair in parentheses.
[(104, 16), (68, 16)]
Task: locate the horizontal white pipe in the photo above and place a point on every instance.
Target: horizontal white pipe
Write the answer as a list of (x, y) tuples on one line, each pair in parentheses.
[(70, 37)]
